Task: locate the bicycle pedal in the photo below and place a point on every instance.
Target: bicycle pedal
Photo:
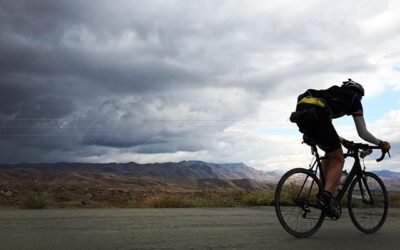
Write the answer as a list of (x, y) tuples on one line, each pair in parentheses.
[(333, 218), (306, 209), (337, 214), (304, 215)]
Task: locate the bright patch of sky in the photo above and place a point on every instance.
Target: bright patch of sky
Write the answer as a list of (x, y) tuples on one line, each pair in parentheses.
[(375, 107)]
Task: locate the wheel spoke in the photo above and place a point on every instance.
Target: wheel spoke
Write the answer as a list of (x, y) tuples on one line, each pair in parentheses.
[(368, 203), (295, 191)]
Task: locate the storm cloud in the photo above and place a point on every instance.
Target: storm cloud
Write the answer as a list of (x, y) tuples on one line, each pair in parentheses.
[(99, 81)]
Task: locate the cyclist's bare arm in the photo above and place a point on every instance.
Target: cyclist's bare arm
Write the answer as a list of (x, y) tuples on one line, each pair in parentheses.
[(363, 131), (366, 135)]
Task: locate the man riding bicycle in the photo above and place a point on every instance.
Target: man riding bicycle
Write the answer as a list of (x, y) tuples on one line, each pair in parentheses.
[(314, 113)]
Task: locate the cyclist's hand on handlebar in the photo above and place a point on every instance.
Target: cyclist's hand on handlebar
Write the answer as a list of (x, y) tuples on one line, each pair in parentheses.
[(347, 144), (385, 146)]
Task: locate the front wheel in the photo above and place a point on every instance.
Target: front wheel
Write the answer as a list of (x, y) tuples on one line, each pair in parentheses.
[(295, 199), (368, 203)]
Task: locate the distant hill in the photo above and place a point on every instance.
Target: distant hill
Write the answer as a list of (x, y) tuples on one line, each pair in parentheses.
[(169, 175), (170, 184), (387, 174), (170, 170), (390, 178)]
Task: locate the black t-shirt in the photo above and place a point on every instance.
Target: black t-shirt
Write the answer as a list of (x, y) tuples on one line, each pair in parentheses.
[(340, 101)]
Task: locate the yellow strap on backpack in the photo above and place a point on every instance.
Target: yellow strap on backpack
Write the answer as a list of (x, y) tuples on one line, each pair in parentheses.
[(312, 100)]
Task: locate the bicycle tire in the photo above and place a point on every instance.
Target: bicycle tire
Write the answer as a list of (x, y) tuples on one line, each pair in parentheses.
[(368, 216), (295, 191)]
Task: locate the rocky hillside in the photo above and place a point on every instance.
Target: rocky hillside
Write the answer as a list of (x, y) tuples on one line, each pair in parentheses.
[(170, 170), (182, 184), (170, 175), (390, 178), (185, 174)]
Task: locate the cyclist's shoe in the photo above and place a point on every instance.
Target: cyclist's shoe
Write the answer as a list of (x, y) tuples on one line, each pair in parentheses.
[(329, 204)]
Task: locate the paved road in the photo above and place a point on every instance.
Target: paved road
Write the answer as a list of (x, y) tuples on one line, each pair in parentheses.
[(198, 228)]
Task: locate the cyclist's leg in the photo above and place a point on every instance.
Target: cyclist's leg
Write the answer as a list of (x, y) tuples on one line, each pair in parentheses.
[(328, 140), (332, 167)]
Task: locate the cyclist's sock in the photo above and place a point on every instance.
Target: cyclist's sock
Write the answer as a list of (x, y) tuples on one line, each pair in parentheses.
[(327, 193)]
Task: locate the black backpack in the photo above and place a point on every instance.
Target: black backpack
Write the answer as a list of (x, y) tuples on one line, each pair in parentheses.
[(338, 100)]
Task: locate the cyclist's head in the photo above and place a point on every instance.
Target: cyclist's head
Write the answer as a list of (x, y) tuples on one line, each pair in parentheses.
[(353, 86)]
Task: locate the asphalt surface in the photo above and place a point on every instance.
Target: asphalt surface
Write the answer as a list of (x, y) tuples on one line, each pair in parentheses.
[(194, 228)]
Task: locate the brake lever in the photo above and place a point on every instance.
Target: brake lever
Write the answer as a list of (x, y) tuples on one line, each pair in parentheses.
[(383, 155)]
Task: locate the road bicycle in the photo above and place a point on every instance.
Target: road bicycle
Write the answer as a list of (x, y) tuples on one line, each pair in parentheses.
[(296, 202)]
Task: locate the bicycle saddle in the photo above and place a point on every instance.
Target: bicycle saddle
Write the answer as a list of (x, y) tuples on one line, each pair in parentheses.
[(309, 140)]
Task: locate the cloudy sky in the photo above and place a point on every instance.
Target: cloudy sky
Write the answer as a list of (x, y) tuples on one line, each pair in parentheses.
[(156, 81)]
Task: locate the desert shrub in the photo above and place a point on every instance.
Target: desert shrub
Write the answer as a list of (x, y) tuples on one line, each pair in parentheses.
[(394, 196), (62, 197), (258, 198), (227, 197), (204, 198), (211, 198), (36, 200), (394, 199), (169, 201)]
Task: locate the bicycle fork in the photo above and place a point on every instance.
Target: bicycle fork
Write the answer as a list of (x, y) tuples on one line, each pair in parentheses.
[(365, 191)]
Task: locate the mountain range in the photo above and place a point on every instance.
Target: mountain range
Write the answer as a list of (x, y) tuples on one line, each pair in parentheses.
[(169, 175)]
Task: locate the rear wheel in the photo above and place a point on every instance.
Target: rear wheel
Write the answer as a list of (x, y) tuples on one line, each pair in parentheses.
[(295, 199), (368, 203)]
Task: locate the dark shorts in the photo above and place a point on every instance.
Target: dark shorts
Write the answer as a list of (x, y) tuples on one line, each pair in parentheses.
[(319, 127)]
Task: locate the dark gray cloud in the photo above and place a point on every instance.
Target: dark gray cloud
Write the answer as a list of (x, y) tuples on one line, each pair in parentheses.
[(80, 79), (167, 123), (60, 39)]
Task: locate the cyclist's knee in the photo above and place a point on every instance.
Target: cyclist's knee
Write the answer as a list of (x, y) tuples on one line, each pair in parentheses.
[(336, 156)]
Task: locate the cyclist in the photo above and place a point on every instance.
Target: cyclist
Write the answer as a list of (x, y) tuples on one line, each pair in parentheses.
[(314, 113)]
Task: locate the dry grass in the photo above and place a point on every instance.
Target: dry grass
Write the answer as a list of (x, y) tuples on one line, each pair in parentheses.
[(394, 199), (258, 198), (35, 200), (41, 197), (206, 198)]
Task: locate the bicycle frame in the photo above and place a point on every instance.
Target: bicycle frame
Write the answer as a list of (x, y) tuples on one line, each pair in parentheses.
[(301, 214), (355, 171)]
